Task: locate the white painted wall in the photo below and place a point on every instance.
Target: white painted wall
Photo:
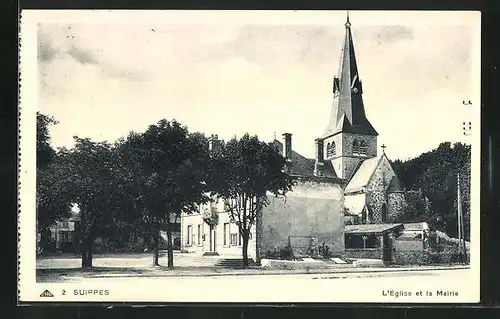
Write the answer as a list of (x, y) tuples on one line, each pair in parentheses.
[(230, 250)]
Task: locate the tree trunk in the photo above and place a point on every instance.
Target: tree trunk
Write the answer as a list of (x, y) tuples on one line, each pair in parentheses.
[(87, 253), (170, 248), (156, 247), (44, 239), (245, 236)]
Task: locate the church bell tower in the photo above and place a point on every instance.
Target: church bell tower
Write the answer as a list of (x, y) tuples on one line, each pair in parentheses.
[(349, 137)]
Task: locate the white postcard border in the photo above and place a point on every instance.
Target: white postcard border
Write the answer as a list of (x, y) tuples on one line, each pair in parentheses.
[(229, 289)]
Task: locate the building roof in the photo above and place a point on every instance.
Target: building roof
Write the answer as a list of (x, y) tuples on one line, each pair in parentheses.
[(362, 175), (395, 185), (410, 237), (348, 111), (304, 166), (416, 226), (371, 228)]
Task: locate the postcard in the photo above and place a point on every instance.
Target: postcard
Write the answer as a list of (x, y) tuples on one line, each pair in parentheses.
[(249, 156)]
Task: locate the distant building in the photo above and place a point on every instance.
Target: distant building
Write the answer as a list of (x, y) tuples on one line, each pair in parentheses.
[(64, 233), (65, 237)]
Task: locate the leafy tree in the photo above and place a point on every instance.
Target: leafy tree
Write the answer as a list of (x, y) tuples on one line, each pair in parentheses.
[(167, 176), (244, 172), (44, 151), (52, 201), (434, 175), (93, 178)]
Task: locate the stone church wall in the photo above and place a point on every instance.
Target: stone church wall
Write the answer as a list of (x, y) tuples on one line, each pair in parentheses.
[(376, 194), (395, 206), (348, 140), (311, 209)]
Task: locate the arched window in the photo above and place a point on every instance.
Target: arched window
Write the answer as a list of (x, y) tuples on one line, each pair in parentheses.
[(359, 147), (363, 148), (384, 213), (355, 147), (363, 216), (330, 149)]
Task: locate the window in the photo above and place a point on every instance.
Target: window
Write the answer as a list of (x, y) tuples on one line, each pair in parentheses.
[(370, 217), (359, 147), (363, 148), (363, 216), (226, 234), (66, 236), (330, 149), (234, 239), (199, 234), (189, 234), (384, 213), (361, 241)]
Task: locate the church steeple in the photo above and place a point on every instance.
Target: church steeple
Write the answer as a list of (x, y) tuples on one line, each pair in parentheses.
[(349, 138), (348, 112)]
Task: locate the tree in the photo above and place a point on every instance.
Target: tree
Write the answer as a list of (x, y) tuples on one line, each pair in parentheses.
[(93, 178), (44, 151), (169, 166), (434, 174), (244, 172), (52, 201)]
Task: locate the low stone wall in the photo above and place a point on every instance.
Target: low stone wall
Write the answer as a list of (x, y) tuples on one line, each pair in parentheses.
[(371, 253), (300, 265), (367, 263)]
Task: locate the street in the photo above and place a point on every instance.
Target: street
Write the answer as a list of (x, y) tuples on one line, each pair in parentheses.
[(131, 277)]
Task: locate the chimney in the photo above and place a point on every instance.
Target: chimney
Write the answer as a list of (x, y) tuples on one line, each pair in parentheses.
[(319, 164), (287, 150)]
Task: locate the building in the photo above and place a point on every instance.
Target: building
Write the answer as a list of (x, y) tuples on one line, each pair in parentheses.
[(65, 237), (64, 233), (345, 180)]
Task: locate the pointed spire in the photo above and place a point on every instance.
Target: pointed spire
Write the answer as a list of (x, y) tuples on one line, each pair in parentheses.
[(348, 92)]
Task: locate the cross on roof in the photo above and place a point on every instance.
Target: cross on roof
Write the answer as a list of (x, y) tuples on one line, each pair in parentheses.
[(383, 148), (348, 23)]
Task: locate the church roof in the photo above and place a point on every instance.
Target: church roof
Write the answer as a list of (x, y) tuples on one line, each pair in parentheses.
[(395, 185), (348, 111), (363, 175), (304, 166)]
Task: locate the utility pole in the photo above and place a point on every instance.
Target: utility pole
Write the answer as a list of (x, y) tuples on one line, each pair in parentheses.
[(461, 229), (459, 219)]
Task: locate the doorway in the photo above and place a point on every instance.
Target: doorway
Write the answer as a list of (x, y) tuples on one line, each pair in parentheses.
[(387, 248), (213, 240)]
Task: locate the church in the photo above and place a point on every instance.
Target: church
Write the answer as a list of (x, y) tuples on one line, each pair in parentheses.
[(344, 199)]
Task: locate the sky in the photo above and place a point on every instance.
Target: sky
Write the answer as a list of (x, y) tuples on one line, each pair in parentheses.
[(105, 78)]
